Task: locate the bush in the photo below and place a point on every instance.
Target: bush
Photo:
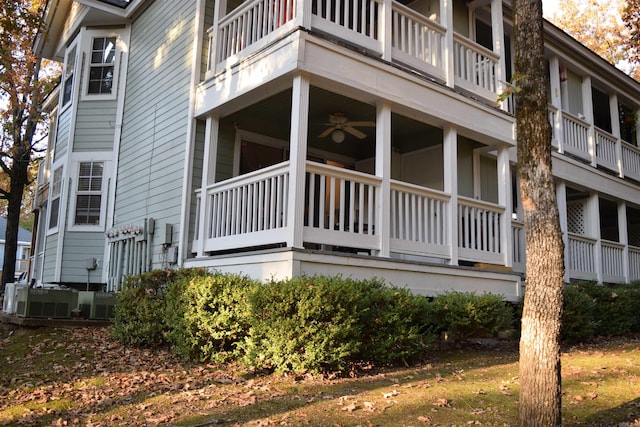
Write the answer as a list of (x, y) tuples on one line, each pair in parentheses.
[(615, 312), (463, 315), (141, 311), (578, 315), (324, 323), (208, 316)]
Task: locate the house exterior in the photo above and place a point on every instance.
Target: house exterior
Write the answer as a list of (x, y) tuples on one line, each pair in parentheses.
[(24, 248), (276, 138)]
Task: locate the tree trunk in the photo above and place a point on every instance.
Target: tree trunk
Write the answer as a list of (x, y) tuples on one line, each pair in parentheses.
[(540, 382)]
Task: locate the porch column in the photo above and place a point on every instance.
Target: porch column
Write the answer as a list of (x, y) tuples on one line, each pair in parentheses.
[(556, 102), (615, 130), (386, 34), (383, 170), (450, 162), (446, 19), (219, 12), (297, 160), (504, 199), (303, 13), (497, 34), (561, 196), (208, 177), (587, 108), (623, 238), (593, 221)]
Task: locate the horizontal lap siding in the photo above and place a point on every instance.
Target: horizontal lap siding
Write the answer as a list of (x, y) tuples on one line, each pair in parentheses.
[(62, 135), (49, 267), (78, 246), (154, 131), (95, 126)]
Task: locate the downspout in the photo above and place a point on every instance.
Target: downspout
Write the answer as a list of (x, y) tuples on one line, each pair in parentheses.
[(183, 232)]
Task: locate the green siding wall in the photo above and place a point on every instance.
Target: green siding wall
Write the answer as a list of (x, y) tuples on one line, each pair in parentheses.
[(62, 135), (95, 126), (49, 265), (154, 130), (78, 246)]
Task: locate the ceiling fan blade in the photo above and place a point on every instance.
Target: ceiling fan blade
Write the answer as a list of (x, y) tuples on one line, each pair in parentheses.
[(355, 132), (327, 132), (361, 124)]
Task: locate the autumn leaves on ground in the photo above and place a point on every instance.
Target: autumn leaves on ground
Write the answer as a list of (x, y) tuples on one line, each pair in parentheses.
[(82, 377)]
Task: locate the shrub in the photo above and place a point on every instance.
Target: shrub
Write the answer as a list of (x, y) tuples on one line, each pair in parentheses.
[(208, 316), (578, 315), (325, 323), (141, 311), (615, 310), (464, 315)]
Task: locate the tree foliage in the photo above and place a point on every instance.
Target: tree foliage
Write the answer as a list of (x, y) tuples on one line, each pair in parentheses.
[(22, 90), (607, 27)]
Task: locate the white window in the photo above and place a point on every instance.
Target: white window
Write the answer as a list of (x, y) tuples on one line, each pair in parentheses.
[(88, 207), (69, 70), (56, 191), (101, 65)]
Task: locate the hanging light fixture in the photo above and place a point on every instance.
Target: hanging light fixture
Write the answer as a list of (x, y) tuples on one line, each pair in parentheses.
[(337, 136)]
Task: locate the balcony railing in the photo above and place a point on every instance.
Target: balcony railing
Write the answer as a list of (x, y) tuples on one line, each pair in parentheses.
[(581, 262), (415, 40), (480, 230)]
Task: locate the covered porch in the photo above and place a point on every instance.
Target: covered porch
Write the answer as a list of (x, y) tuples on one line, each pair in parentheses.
[(311, 169)]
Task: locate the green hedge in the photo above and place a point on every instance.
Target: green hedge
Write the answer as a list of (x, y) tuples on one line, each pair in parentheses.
[(305, 324)]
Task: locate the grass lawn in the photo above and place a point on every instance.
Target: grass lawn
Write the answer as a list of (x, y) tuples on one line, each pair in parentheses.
[(80, 376)]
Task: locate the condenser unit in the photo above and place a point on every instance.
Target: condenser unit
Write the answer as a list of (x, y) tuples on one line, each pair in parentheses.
[(42, 302), (96, 305)]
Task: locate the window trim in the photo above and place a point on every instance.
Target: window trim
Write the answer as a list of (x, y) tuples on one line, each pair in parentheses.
[(55, 229), (87, 50), (73, 47), (74, 170)]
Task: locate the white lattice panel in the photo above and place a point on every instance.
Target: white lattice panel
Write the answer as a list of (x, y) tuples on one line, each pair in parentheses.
[(575, 218)]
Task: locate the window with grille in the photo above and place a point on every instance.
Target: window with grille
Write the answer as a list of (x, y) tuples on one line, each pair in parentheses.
[(69, 69), (89, 193), (102, 65), (56, 190)]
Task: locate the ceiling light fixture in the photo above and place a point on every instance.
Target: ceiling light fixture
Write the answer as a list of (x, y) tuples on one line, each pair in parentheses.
[(337, 136)]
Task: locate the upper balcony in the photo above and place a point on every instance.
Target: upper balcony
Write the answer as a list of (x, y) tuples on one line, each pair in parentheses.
[(434, 45)]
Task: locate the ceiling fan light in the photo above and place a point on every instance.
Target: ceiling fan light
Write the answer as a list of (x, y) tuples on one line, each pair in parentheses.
[(337, 136)]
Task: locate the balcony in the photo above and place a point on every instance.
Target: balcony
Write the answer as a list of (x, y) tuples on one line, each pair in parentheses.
[(383, 28)]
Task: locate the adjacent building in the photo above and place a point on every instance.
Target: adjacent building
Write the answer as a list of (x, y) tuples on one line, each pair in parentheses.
[(364, 138)]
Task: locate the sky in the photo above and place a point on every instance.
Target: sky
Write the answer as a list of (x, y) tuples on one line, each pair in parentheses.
[(548, 7)]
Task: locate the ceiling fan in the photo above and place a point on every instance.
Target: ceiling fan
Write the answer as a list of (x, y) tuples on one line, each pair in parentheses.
[(339, 124)]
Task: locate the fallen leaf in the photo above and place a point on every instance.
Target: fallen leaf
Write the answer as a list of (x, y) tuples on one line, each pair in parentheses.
[(442, 403)]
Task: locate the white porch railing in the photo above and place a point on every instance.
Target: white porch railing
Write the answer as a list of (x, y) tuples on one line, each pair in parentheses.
[(354, 20), (417, 40), (581, 257), (480, 231), (631, 161), (414, 39), (248, 28), (575, 135), (612, 261), (634, 263), (419, 220), (248, 210), (340, 207), (606, 150), (475, 67)]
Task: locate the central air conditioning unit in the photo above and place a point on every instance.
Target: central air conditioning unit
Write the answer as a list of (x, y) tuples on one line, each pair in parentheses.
[(97, 305), (11, 297), (42, 302)]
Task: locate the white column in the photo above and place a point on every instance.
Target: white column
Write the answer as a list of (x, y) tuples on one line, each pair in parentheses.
[(587, 108), (497, 32), (615, 130), (556, 101), (593, 230), (383, 170), (504, 199), (385, 29), (623, 237), (208, 177), (450, 161), (303, 13), (219, 12), (561, 196), (297, 160), (446, 19)]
